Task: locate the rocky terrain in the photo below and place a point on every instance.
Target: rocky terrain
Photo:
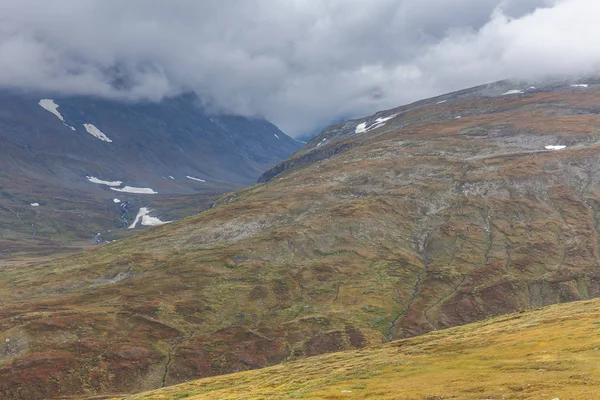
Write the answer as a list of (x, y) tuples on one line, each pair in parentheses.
[(445, 212), (71, 167)]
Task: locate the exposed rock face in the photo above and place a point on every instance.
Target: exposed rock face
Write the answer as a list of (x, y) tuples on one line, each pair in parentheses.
[(427, 222), (307, 158)]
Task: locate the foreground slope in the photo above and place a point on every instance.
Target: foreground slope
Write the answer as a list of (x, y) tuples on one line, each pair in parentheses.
[(420, 222), (550, 353)]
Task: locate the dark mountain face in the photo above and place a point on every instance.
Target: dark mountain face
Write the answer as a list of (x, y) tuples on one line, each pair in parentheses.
[(53, 147)]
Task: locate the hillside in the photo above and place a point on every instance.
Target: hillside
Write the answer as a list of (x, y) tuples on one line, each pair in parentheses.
[(71, 167), (439, 214), (550, 353)]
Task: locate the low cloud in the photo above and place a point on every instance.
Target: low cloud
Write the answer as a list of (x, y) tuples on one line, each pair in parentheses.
[(299, 63)]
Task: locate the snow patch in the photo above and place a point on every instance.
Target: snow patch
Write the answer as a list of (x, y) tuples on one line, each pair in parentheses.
[(92, 130), (441, 102), (321, 142), (143, 211), (195, 179), (555, 147), (170, 177), (458, 117), (50, 105), (116, 201), (93, 179), (360, 128), (580, 85), (131, 189), (379, 122), (513, 91), (35, 204), (146, 219), (276, 135), (153, 221)]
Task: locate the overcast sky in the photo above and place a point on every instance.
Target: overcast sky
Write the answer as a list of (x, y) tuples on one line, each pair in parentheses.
[(299, 63)]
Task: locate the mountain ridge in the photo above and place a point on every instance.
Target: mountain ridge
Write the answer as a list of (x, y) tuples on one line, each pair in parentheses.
[(436, 223), (338, 136)]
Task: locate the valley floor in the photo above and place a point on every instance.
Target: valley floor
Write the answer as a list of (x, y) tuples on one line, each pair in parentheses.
[(550, 353)]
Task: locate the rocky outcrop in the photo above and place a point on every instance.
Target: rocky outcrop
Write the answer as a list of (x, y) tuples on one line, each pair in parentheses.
[(308, 158)]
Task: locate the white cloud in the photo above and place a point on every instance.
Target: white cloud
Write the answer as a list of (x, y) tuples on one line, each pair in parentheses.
[(299, 63)]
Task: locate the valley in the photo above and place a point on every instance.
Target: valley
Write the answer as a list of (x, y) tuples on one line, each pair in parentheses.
[(76, 170), (445, 212)]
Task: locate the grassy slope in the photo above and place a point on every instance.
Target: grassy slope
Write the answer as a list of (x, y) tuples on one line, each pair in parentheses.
[(543, 354), (424, 227)]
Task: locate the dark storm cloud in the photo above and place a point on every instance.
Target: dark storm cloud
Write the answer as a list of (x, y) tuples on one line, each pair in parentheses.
[(299, 63)]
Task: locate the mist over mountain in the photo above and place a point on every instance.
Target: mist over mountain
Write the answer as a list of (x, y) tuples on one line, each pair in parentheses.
[(300, 64), (437, 166)]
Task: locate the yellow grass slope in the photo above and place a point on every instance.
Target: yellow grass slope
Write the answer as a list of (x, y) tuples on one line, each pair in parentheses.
[(550, 353)]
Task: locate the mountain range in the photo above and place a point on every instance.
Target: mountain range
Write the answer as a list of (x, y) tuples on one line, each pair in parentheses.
[(74, 167), (440, 213)]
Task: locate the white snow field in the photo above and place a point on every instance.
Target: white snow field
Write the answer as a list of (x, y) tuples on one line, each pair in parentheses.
[(135, 190), (92, 130), (146, 219), (195, 179), (379, 122), (51, 106), (93, 179)]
